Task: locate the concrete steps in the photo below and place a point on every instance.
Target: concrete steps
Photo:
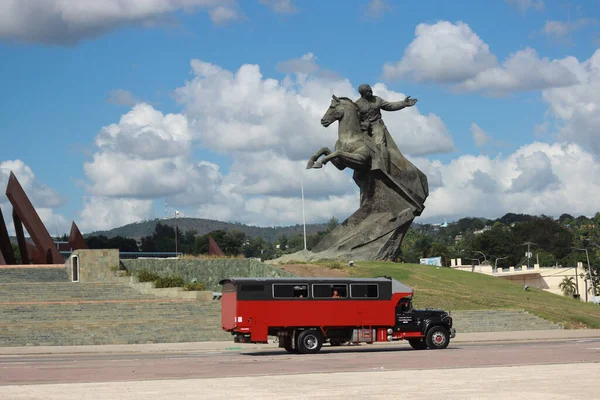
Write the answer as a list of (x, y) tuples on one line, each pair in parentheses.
[(65, 313), (66, 291), (111, 323), (499, 321), (14, 275)]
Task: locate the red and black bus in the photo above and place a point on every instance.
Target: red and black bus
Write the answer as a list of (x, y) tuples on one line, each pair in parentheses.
[(305, 313)]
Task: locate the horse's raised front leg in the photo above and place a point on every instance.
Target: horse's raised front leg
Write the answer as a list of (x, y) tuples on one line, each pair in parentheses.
[(352, 157), (314, 157)]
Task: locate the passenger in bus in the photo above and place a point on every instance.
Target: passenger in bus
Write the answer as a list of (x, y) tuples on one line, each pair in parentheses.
[(336, 294)]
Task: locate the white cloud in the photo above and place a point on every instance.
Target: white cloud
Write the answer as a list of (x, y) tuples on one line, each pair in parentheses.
[(522, 71), (221, 15), (536, 173), (280, 6), (524, 5), (453, 54), (480, 137), (269, 129), (561, 29), (146, 133), (304, 65), (538, 178), (122, 97), (576, 108), (44, 199), (442, 52), (376, 8), (277, 211), (148, 155), (41, 195), (100, 213), (242, 111), (66, 22)]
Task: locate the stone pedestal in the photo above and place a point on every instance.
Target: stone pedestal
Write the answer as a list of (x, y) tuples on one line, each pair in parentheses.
[(377, 228)]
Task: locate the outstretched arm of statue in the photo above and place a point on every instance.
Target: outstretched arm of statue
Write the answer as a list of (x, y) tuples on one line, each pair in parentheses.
[(397, 105)]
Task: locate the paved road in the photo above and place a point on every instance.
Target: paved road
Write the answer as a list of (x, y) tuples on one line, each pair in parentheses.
[(87, 368)]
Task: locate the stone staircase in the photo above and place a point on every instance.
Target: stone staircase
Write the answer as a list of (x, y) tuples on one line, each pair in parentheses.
[(61, 314), (498, 321), (11, 275), (66, 291)]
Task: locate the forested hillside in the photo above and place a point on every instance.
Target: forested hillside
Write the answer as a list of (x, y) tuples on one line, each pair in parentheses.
[(203, 226)]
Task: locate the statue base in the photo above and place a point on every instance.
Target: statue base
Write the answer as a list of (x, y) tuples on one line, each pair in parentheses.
[(373, 232), (376, 230)]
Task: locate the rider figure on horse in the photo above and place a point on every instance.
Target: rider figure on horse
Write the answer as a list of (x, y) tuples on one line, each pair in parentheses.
[(369, 110)]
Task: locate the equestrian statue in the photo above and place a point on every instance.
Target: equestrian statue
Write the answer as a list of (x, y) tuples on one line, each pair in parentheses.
[(392, 190)]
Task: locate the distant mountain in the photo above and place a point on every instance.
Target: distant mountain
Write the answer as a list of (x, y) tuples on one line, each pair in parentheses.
[(202, 226)]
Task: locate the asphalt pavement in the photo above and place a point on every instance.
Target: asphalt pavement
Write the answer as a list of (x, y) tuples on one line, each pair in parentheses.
[(219, 346)]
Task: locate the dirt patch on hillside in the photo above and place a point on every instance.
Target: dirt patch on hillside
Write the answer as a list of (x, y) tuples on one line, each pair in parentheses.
[(313, 270)]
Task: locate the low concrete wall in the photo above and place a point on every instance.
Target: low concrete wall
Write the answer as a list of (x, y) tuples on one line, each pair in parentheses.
[(94, 265), (209, 272), (174, 292)]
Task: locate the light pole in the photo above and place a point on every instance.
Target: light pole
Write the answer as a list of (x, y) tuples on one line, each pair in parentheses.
[(473, 265), (496, 262), (589, 271), (176, 237), (528, 251), (480, 252), (303, 217)]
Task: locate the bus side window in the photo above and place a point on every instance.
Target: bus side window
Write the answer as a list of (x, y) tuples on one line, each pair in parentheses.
[(364, 291), (328, 291), (287, 291), (301, 291)]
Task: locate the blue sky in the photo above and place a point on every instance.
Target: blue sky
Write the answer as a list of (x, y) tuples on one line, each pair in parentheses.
[(88, 65)]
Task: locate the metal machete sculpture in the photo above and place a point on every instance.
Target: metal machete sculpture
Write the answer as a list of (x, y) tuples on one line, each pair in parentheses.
[(392, 190)]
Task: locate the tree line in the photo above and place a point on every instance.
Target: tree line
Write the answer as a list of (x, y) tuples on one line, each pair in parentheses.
[(503, 242), (232, 242)]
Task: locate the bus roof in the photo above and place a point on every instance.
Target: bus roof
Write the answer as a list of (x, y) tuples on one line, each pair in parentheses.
[(397, 286)]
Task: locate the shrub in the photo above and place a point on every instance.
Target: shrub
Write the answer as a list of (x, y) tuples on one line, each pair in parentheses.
[(194, 286), (169, 281), (147, 276), (334, 265)]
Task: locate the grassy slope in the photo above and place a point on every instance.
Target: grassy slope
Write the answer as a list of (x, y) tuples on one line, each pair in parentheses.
[(458, 290)]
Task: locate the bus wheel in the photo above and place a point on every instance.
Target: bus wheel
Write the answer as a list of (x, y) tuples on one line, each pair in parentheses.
[(417, 344), (437, 337), (309, 341)]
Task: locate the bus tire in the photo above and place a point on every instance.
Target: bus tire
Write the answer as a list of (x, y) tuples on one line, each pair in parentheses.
[(309, 341), (437, 338), (417, 344)]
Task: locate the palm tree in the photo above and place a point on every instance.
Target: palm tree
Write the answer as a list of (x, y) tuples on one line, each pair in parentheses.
[(568, 286)]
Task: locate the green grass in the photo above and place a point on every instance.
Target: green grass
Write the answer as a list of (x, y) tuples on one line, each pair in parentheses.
[(449, 289)]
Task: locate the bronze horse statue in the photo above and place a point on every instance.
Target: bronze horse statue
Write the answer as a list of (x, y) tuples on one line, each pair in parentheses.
[(350, 149), (354, 149)]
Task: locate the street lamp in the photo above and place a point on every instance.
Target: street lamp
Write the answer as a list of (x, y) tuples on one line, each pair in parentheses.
[(176, 238), (471, 259), (587, 256), (473, 265), (303, 217), (496, 262), (481, 252)]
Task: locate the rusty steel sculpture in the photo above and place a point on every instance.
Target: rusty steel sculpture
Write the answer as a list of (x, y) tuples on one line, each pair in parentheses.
[(43, 250)]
